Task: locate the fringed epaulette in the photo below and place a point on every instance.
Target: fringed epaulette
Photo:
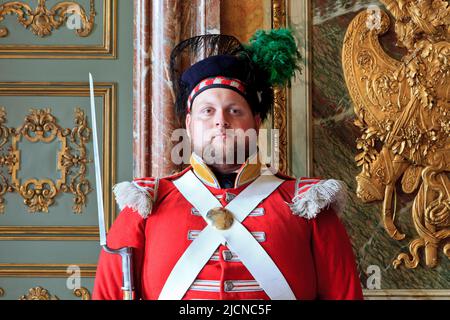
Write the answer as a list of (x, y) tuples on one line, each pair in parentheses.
[(313, 195), (139, 195)]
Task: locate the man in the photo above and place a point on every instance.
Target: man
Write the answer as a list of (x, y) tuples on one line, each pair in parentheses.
[(221, 229)]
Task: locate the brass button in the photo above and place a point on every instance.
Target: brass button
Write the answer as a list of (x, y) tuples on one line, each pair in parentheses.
[(227, 255), (228, 286), (220, 218)]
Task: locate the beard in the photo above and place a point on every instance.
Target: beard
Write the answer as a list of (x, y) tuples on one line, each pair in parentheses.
[(228, 148)]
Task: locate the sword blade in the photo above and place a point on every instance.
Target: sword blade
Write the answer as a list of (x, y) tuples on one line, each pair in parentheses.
[(98, 175)]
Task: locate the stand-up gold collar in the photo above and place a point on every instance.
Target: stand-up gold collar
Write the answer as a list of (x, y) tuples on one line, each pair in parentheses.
[(249, 171)]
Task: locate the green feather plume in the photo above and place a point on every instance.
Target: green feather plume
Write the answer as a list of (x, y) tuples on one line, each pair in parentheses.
[(276, 53)]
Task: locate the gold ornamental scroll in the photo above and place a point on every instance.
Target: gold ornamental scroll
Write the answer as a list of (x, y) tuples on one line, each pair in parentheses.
[(402, 110)]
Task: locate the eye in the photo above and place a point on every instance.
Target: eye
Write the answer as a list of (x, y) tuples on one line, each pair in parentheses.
[(235, 111), (207, 110)]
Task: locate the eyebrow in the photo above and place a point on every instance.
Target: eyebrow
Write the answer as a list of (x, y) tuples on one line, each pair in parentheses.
[(208, 103)]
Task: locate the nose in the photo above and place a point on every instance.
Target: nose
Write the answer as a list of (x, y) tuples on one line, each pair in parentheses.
[(221, 119)]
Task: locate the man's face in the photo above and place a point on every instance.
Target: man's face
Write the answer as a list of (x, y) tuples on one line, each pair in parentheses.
[(213, 125)]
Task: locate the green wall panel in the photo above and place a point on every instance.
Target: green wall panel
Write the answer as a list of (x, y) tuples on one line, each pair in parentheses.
[(39, 160)]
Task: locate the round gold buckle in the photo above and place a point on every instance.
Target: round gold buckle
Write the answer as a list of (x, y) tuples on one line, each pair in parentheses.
[(220, 218)]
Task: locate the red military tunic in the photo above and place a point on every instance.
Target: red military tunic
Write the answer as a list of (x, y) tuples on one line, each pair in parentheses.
[(313, 253)]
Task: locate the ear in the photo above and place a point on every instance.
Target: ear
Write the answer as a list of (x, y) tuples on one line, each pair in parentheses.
[(188, 125)]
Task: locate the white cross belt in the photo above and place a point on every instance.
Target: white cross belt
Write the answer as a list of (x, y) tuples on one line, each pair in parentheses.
[(237, 237)]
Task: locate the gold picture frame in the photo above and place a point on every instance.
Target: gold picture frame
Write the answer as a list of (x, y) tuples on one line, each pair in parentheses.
[(31, 270), (280, 112)]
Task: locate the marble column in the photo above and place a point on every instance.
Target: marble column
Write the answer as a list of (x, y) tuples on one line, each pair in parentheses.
[(166, 32), (141, 89), (159, 26)]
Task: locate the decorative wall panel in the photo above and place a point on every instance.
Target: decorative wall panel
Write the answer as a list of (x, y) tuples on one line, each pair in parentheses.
[(72, 162), (58, 29), (44, 63)]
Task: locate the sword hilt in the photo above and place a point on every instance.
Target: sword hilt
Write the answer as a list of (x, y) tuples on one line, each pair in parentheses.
[(126, 253)]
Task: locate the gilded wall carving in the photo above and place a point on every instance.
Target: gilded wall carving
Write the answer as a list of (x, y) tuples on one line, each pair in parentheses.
[(40, 293), (40, 126), (7, 160), (42, 20), (402, 109), (82, 293)]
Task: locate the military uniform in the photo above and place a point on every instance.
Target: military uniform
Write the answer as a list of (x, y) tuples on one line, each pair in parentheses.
[(254, 235), (296, 225)]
